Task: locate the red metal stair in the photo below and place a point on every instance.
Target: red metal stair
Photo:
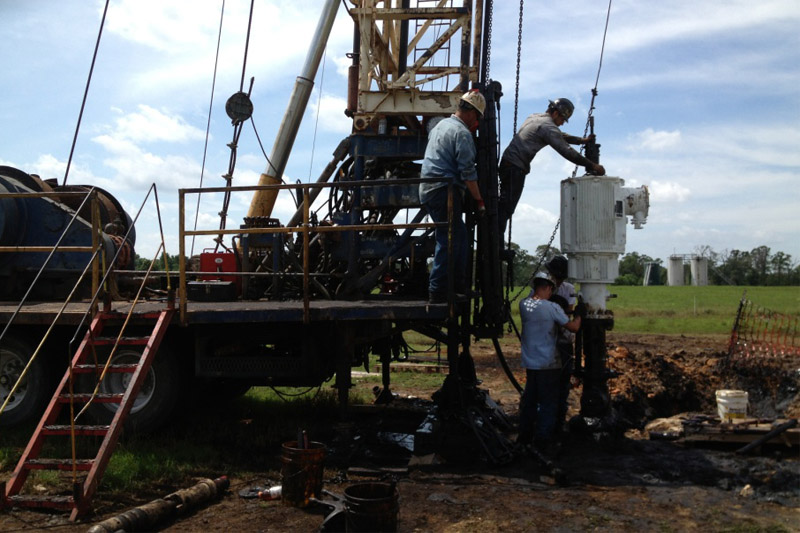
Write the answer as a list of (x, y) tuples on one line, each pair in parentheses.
[(84, 490)]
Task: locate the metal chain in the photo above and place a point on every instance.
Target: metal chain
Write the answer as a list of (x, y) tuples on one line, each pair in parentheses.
[(519, 60), (489, 9), (539, 264)]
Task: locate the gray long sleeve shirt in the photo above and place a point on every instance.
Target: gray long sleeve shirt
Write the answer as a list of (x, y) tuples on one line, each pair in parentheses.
[(536, 132)]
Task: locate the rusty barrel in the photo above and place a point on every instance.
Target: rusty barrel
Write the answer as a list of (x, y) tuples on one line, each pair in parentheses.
[(301, 473), (371, 507)]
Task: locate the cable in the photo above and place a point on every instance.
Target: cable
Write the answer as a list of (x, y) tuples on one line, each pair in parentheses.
[(261, 145), (246, 45), (316, 123), (596, 82), (208, 124), (85, 93)]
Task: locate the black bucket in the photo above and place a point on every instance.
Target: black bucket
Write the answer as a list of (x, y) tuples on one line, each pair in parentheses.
[(301, 473), (371, 507)]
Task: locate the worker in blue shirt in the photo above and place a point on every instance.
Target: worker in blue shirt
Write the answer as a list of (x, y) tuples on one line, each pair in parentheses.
[(450, 159), (541, 319)]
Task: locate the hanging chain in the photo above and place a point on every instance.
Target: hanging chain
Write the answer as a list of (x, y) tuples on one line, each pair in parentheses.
[(519, 60), (488, 55), (539, 263)]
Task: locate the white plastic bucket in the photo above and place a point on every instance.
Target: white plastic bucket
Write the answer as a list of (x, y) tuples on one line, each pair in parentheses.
[(731, 405)]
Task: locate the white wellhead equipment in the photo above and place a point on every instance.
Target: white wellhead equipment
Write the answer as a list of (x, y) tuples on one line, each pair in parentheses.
[(594, 213)]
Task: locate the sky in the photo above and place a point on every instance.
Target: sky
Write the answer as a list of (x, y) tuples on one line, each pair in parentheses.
[(699, 100)]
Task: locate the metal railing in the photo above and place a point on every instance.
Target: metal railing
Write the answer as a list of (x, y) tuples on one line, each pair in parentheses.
[(90, 196), (306, 229)]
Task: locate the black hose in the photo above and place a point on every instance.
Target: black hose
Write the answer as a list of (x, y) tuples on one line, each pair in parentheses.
[(504, 364)]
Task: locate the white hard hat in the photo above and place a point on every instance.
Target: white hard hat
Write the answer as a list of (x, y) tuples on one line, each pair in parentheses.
[(544, 276), (476, 100)]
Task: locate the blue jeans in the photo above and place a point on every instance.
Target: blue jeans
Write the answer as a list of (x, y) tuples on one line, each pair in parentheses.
[(512, 180), (436, 206), (539, 405)]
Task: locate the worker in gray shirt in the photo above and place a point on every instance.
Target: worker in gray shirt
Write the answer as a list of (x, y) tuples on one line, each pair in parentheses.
[(537, 131)]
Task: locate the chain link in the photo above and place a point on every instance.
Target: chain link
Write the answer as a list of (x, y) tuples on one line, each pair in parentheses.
[(519, 60), (538, 265), (488, 13)]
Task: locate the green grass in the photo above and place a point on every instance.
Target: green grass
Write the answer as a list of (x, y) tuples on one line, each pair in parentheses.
[(689, 310), (208, 441)]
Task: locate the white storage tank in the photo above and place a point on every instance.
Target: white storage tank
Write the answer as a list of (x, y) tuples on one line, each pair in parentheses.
[(699, 267), (675, 271)]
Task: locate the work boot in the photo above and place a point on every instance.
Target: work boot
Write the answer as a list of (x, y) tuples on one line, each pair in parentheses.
[(437, 298)]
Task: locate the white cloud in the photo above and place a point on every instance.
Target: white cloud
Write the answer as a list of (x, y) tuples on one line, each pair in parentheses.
[(650, 139), (668, 22), (668, 192), (137, 168), (150, 125), (330, 112), (183, 42), (163, 25)]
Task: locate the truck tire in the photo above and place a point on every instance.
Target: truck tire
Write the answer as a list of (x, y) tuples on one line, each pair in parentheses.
[(34, 392), (158, 397)]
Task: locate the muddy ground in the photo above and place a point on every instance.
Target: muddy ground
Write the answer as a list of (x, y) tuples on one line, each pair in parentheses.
[(624, 482)]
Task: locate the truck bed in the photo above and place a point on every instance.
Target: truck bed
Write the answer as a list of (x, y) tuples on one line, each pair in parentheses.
[(240, 311)]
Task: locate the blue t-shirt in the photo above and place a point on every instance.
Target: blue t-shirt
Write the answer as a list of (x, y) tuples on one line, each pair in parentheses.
[(540, 321), (450, 153)]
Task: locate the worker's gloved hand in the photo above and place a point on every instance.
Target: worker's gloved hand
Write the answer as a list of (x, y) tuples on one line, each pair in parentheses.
[(590, 139), (580, 310), (598, 169), (480, 208)]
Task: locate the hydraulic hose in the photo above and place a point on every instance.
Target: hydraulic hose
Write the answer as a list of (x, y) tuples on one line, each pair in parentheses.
[(505, 366)]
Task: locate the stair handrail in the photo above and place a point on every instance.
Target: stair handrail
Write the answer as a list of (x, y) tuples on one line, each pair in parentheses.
[(161, 248), (91, 194)]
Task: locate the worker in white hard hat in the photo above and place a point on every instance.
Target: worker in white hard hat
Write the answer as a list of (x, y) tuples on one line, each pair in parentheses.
[(450, 159), (541, 319), (565, 296), (538, 130)]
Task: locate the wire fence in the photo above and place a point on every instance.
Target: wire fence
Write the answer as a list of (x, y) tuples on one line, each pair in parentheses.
[(760, 332)]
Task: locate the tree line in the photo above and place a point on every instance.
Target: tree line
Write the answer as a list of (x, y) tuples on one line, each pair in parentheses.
[(756, 267), (759, 266)]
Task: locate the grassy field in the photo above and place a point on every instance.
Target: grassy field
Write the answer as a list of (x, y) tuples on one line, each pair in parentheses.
[(689, 310)]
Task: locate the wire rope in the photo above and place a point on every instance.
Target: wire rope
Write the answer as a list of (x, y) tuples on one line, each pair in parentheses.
[(208, 123), (596, 82), (85, 93), (316, 122)]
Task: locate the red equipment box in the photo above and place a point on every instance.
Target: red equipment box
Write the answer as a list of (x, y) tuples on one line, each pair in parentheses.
[(220, 262)]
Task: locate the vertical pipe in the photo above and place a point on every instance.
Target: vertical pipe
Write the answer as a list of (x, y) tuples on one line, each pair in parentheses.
[(306, 260), (261, 204), (466, 32), (182, 254), (352, 72), (402, 59), (477, 34), (95, 246)]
